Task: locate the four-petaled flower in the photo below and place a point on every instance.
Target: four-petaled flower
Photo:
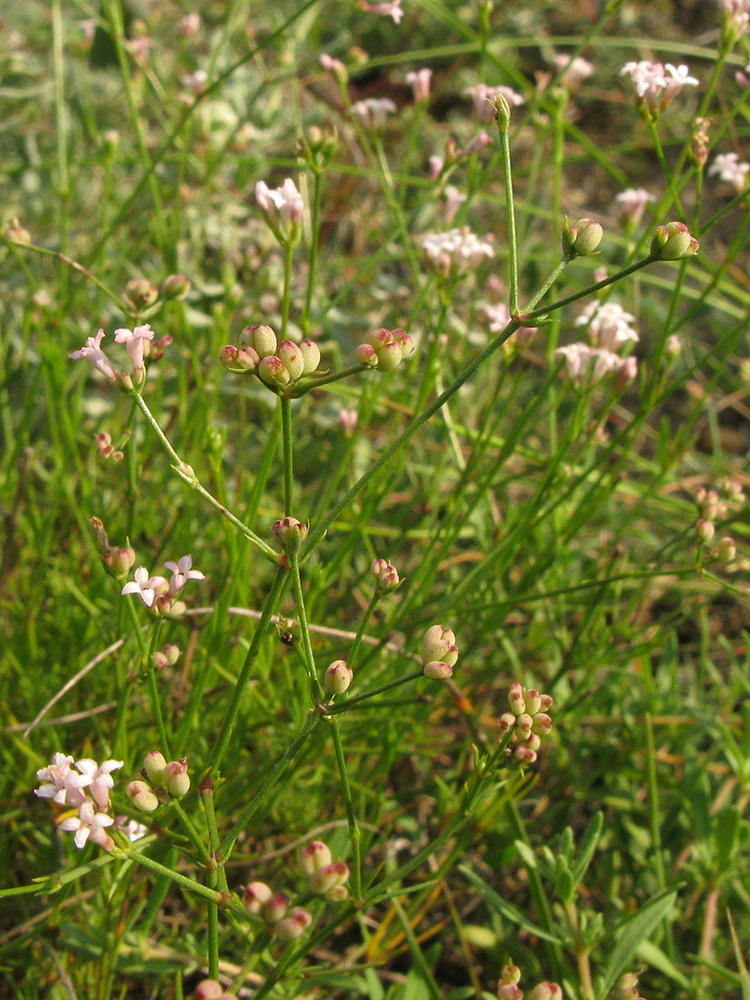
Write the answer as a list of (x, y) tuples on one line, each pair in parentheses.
[(135, 343), (61, 783), (145, 586), (656, 84), (100, 778), (181, 572), (92, 351), (89, 825)]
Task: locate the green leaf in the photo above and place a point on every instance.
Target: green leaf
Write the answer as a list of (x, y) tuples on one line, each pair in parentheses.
[(652, 955), (502, 908), (726, 834), (587, 848), (633, 933), (564, 886)]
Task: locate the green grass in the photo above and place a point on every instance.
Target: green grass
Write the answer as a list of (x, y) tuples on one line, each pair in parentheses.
[(551, 526)]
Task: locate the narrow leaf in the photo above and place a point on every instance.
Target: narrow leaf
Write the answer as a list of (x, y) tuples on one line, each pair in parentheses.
[(503, 908), (633, 932)]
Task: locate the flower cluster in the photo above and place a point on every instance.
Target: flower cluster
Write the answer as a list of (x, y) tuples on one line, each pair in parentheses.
[(159, 595), (386, 575), (372, 112), (737, 14), (456, 252), (168, 778), (583, 362), (712, 507), (287, 923), (325, 877), (508, 988), (282, 208), (656, 85), (573, 71), (731, 170), (439, 653), (276, 364), (608, 325), (527, 720), (673, 242), (385, 349), (86, 789)]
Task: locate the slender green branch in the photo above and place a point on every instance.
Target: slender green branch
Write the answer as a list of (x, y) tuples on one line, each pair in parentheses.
[(307, 384), (503, 126), (287, 451), (316, 692), (374, 600), (354, 834), (286, 296), (313, 258), (344, 706)]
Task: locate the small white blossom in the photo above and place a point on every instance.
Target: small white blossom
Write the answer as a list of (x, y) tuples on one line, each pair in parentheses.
[(372, 112), (581, 358), (88, 825), (135, 341), (453, 201), (420, 84), (730, 169), (282, 208), (100, 778), (608, 324), (656, 84), (145, 586), (484, 97), (93, 352), (456, 252), (61, 783), (181, 572), (389, 9)]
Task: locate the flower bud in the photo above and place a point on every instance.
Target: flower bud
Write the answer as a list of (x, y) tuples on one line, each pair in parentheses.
[(176, 778), (275, 907), (273, 372), (238, 360), (366, 355), (545, 991), (290, 533), (314, 856), (516, 699), (386, 575), (705, 530), (524, 722), (142, 796), (336, 894), (389, 357), (175, 286), (581, 238), (16, 233), (291, 357), (310, 356), (121, 560), (209, 989), (261, 338), (256, 895), (293, 925), (154, 764), (141, 293), (726, 550), (673, 242), (542, 724), (328, 877), (338, 677), (439, 644), (507, 721), (437, 671)]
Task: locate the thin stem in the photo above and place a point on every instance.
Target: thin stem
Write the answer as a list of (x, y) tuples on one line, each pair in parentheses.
[(590, 289), (287, 451), (354, 834), (276, 773), (581, 953), (187, 475), (362, 628), (668, 175), (76, 267), (313, 259), (195, 838), (316, 692), (306, 385), (344, 706), (288, 255), (503, 126), (273, 599), (222, 899)]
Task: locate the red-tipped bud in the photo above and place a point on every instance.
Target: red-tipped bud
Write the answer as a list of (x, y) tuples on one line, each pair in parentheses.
[(581, 238), (386, 575), (310, 356), (261, 338), (705, 530), (142, 796), (238, 360), (437, 671), (365, 355), (439, 644), (209, 989), (325, 879), (175, 286), (726, 550), (338, 677), (176, 778), (516, 698), (141, 293), (673, 242), (314, 856), (293, 925), (276, 907), (545, 991), (290, 533), (154, 764), (292, 359), (256, 895), (272, 371)]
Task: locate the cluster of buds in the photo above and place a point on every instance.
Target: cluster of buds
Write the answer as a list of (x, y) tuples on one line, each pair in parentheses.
[(211, 989), (386, 576), (278, 365), (725, 550), (439, 653), (167, 656), (290, 534), (317, 147), (455, 253), (508, 987), (167, 779), (85, 789), (527, 720), (325, 877), (712, 507), (282, 208), (673, 242), (338, 677), (141, 293), (160, 595), (286, 923), (106, 448), (119, 560), (626, 988), (385, 349), (581, 238)]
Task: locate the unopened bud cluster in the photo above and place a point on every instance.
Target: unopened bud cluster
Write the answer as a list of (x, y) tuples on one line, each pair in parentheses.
[(581, 238), (673, 242), (626, 988), (286, 922), (508, 987), (439, 653), (290, 534), (211, 989), (386, 576), (385, 349), (527, 720), (278, 365), (711, 507), (325, 877), (167, 779)]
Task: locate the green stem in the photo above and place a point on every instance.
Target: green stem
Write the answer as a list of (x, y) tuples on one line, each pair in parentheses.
[(589, 290), (76, 267), (344, 706), (273, 599), (277, 772), (195, 838), (287, 450), (316, 692), (313, 260), (187, 475), (668, 174), (362, 628), (354, 833), (286, 297), (221, 899), (503, 126), (306, 385)]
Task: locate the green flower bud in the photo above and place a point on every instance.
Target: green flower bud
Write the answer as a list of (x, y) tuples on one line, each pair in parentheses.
[(141, 293), (582, 238), (261, 338), (273, 372), (292, 359), (673, 242), (175, 286), (310, 356)]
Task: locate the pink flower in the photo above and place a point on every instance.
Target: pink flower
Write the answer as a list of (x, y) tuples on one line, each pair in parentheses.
[(93, 352), (181, 572), (189, 24), (372, 112), (420, 84), (282, 208), (656, 85), (391, 9), (61, 784), (100, 778), (731, 170), (135, 343), (631, 204), (608, 324), (580, 358), (484, 96), (145, 586), (575, 70), (89, 825)]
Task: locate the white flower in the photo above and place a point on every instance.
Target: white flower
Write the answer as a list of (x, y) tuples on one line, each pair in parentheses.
[(608, 324), (135, 342), (455, 252), (88, 825), (631, 204), (181, 573), (132, 829), (453, 201), (730, 169), (100, 778), (145, 586), (60, 783), (372, 112), (420, 84), (93, 352), (282, 208), (656, 84), (580, 359)]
